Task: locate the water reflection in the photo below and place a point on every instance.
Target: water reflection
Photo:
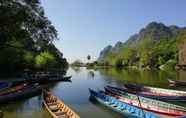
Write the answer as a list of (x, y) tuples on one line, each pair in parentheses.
[(147, 77)]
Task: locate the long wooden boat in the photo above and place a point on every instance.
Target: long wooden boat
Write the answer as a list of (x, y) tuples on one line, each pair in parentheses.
[(155, 93), (4, 85), (146, 103), (177, 82), (56, 107), (42, 80), (123, 108), (26, 92), (12, 89), (65, 78)]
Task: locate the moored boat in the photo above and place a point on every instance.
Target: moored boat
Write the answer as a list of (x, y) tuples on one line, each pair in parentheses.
[(65, 78), (4, 85), (146, 103), (26, 92), (12, 89), (56, 107), (155, 93), (177, 82), (43, 80), (125, 109)]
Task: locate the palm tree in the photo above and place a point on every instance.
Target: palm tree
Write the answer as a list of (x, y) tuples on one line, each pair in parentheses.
[(88, 57)]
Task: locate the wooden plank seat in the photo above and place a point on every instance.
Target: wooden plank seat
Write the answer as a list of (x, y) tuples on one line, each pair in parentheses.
[(53, 108), (59, 113), (52, 103)]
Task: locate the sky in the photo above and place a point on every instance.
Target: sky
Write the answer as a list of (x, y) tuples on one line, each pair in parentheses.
[(85, 27)]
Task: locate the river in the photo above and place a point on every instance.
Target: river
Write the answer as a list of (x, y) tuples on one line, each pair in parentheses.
[(76, 95)]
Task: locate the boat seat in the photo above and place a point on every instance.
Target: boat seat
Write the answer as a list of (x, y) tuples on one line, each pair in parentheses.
[(52, 103), (62, 116), (128, 108), (106, 98), (147, 115), (140, 113), (132, 110), (53, 107), (111, 102), (58, 113), (116, 103), (120, 105)]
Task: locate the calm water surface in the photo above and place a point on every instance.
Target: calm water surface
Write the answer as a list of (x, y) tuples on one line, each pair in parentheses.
[(76, 94)]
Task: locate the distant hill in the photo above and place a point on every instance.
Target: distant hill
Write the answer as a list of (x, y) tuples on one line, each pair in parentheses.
[(152, 46)]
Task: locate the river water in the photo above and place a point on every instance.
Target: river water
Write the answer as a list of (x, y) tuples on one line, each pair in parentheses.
[(76, 95)]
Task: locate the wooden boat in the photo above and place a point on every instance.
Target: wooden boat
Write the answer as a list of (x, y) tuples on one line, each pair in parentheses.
[(146, 103), (26, 92), (47, 80), (177, 82), (42, 80), (56, 107), (4, 85), (12, 89), (65, 78), (155, 93), (123, 108)]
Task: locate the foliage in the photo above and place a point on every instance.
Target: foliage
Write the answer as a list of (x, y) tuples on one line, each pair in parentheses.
[(45, 59), (181, 37), (153, 46), (77, 63), (88, 57), (25, 32)]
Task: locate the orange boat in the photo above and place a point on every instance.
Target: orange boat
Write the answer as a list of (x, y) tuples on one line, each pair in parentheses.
[(56, 107)]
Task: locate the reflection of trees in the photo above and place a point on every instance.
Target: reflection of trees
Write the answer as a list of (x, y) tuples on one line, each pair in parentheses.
[(91, 74), (147, 77), (182, 75), (76, 69)]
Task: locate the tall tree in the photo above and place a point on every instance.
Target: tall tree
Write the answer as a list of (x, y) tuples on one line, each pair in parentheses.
[(25, 32), (88, 57)]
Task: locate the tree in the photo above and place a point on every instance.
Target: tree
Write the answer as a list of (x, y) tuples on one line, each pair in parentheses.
[(45, 60), (25, 32), (88, 57)]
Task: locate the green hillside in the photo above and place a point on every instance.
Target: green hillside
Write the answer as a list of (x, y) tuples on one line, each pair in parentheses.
[(155, 46)]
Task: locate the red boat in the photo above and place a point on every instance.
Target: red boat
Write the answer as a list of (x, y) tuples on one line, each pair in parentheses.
[(12, 89), (147, 103), (177, 82), (155, 93)]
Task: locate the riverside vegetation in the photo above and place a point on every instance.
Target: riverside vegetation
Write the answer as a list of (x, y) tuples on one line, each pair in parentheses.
[(26, 37), (155, 46)]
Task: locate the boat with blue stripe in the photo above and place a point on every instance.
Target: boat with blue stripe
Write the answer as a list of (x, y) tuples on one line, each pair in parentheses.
[(125, 109)]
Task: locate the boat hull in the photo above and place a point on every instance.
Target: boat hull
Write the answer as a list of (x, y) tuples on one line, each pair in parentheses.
[(59, 109), (177, 82), (151, 105), (27, 92), (155, 93), (126, 112)]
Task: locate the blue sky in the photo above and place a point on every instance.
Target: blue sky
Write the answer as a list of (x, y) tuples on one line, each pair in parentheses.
[(87, 26)]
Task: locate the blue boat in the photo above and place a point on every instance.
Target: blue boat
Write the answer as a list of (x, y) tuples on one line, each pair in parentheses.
[(4, 85), (125, 109)]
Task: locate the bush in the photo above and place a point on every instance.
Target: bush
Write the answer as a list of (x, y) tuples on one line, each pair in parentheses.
[(45, 60)]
